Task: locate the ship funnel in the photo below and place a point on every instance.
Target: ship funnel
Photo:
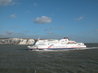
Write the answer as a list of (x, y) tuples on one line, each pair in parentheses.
[(66, 38)]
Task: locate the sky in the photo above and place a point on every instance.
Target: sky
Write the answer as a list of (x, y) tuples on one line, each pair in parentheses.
[(76, 19)]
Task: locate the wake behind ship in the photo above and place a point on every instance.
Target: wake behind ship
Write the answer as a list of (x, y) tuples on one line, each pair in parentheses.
[(52, 44)]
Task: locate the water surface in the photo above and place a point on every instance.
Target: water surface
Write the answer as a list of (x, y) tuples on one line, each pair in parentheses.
[(17, 59)]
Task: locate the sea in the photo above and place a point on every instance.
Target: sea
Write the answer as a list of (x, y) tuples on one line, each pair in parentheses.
[(18, 59)]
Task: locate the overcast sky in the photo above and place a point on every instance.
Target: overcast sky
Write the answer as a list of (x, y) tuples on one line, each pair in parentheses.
[(76, 19)]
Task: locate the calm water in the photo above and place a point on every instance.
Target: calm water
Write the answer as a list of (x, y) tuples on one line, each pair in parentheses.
[(17, 59)]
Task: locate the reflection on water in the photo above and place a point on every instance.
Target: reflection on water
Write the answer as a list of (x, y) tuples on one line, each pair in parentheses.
[(16, 59)]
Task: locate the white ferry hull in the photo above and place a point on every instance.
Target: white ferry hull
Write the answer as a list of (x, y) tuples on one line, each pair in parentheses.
[(56, 45)]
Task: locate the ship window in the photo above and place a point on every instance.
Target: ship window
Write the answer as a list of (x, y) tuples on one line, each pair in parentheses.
[(41, 44)]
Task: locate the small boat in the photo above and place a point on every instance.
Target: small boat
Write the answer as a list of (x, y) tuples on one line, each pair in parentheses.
[(54, 44)]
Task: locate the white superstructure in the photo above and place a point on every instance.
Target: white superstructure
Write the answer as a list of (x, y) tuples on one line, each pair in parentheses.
[(56, 44)]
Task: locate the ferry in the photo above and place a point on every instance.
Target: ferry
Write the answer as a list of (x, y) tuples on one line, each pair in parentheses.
[(54, 44)]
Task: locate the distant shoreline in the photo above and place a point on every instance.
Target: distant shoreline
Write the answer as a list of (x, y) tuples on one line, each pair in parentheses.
[(25, 41)]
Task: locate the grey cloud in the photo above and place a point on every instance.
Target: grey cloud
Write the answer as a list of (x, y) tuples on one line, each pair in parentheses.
[(9, 33), (42, 20), (51, 33), (5, 2), (13, 15), (6, 34), (12, 34), (79, 18)]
